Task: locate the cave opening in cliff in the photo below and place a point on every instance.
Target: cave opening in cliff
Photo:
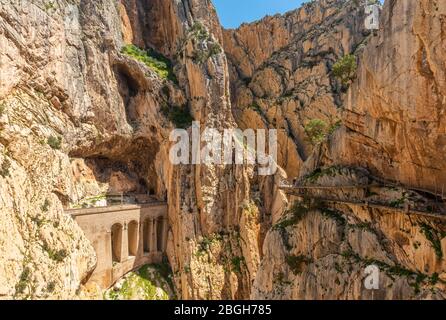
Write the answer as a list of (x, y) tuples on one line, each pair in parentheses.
[(128, 88), (128, 167)]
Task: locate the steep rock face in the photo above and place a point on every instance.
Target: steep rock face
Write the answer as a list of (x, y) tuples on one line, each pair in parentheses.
[(328, 255), (281, 71), (395, 110), (80, 118), (205, 210), (45, 253), (321, 250), (391, 119)]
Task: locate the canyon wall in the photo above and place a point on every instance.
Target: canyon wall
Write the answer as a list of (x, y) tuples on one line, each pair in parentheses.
[(82, 117), (204, 248), (84, 112), (281, 71), (395, 110), (390, 124)]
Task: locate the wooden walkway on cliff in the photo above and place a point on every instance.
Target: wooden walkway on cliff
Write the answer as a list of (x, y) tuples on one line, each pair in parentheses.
[(300, 191), (378, 183)]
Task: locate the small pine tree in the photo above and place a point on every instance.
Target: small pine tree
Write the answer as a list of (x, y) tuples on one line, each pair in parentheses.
[(316, 130), (345, 69)]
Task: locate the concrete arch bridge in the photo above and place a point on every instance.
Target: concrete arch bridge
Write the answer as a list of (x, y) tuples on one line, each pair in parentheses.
[(124, 237)]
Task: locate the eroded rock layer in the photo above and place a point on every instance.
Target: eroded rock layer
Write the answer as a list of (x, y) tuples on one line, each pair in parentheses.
[(90, 91), (391, 119), (84, 113)]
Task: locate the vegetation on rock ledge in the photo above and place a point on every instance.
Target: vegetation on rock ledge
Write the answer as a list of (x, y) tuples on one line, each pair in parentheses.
[(180, 116), (150, 282), (4, 169), (155, 61), (318, 130), (55, 142), (345, 69)]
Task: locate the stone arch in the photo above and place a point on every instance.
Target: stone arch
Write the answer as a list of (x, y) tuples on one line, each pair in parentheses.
[(116, 242), (132, 234), (159, 233)]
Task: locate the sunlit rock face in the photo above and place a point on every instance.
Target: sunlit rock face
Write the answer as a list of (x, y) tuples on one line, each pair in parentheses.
[(391, 116), (281, 76), (395, 109), (80, 118)]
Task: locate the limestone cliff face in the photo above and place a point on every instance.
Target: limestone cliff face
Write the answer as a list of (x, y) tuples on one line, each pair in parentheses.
[(281, 71), (391, 125), (394, 112), (213, 247), (80, 119), (321, 250)]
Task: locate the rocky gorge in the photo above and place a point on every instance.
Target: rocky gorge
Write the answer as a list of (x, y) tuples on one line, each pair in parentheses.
[(90, 91)]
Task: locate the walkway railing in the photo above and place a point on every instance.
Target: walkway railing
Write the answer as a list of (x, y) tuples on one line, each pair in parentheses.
[(378, 182), (113, 208), (297, 191)]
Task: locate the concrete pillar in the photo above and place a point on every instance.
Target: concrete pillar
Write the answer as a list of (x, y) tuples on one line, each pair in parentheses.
[(125, 243), (154, 247), (107, 261), (165, 230), (150, 235), (141, 239)]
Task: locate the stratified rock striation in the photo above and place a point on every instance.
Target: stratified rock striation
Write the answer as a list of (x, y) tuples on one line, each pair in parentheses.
[(90, 91), (281, 71), (391, 125), (81, 117)]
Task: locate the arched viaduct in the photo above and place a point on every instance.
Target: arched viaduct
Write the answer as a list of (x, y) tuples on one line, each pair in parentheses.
[(124, 237)]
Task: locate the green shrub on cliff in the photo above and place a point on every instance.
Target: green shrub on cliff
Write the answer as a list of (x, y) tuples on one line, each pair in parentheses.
[(155, 61), (178, 115), (345, 69), (316, 130), (55, 142)]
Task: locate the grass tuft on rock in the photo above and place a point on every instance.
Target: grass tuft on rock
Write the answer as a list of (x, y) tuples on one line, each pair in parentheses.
[(154, 60), (150, 282), (54, 142)]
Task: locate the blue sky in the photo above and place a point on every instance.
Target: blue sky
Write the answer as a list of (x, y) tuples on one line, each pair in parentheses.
[(233, 12)]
